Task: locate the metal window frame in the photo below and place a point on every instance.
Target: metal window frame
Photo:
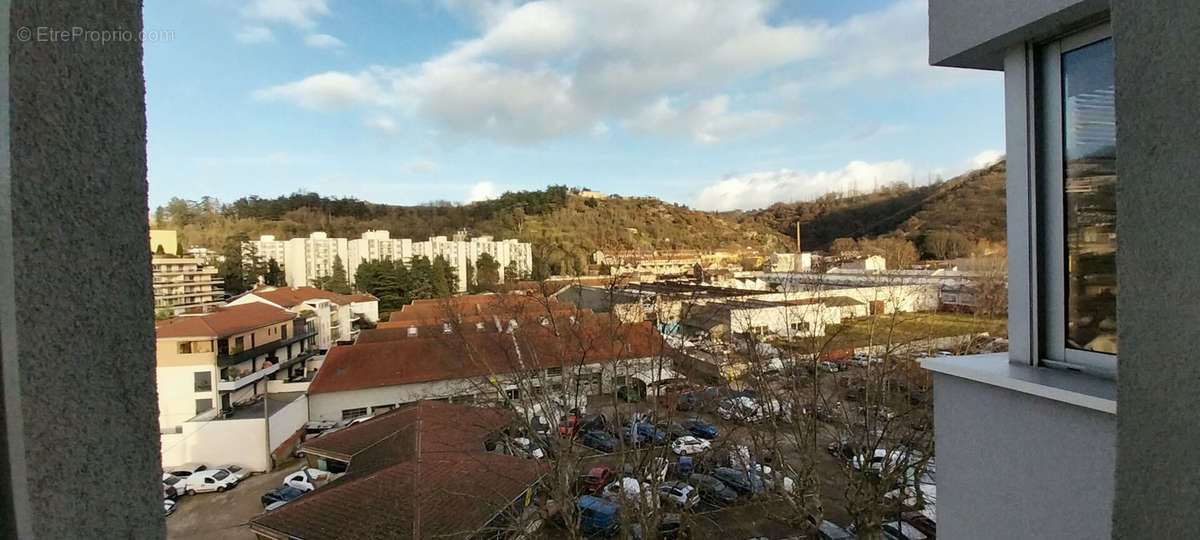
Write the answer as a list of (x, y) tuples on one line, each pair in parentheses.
[(1036, 232)]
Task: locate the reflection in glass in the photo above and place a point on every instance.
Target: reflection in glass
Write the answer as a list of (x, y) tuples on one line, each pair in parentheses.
[(1090, 211)]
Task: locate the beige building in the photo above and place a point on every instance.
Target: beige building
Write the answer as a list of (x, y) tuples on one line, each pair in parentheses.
[(181, 283), (165, 239), (216, 372)]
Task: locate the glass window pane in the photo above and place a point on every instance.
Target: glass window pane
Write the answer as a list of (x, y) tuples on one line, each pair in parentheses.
[(1090, 212)]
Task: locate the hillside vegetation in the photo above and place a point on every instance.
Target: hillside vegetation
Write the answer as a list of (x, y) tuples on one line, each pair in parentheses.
[(563, 227), (959, 212)]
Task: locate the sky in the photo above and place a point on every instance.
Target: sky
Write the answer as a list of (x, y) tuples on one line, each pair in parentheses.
[(715, 104)]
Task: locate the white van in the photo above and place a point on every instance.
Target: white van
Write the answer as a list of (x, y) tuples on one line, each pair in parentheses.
[(210, 480)]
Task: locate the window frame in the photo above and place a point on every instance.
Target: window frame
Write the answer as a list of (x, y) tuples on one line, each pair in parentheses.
[(1036, 199)]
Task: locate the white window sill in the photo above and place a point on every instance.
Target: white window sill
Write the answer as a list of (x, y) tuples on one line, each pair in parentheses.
[(1071, 387)]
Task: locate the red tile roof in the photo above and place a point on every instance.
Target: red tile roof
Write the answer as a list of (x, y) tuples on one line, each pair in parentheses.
[(417, 472), (362, 297), (474, 354), (290, 296), (225, 321), (475, 307)]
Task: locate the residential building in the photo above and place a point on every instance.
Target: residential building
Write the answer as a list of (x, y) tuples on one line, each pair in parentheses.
[(267, 248), (217, 371), (789, 262), (306, 259), (1086, 427), (460, 250), (335, 316), (164, 241), (726, 318), (421, 471), (872, 263), (184, 283), (377, 246), (482, 364)]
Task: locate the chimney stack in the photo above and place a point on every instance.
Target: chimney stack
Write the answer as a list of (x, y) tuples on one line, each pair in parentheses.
[(798, 237)]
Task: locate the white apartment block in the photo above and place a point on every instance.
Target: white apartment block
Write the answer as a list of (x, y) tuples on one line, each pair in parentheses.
[(269, 248), (305, 259)]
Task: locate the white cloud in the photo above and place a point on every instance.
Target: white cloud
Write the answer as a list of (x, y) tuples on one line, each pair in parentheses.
[(382, 123), (323, 41), (255, 34), (986, 158), (762, 189), (422, 166), (553, 68), (706, 121), (482, 192), (326, 91), (298, 13)]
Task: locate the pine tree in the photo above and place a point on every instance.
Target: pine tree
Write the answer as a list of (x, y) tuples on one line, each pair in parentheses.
[(337, 282), (274, 274), (487, 272)]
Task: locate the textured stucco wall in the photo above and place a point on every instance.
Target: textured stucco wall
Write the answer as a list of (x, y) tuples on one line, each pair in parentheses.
[(975, 33), (1158, 230), (1012, 465), (75, 256)]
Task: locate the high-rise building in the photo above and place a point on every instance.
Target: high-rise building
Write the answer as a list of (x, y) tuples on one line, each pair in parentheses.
[(305, 259)]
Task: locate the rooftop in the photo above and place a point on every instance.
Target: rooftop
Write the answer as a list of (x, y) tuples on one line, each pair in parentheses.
[(413, 473), (467, 355), (223, 322), (291, 296)]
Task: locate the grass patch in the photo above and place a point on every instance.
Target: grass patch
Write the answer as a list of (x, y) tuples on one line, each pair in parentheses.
[(906, 327)]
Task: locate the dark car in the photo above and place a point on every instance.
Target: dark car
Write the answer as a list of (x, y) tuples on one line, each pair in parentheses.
[(855, 393), (700, 400), (842, 448), (673, 430), (629, 435), (599, 440), (741, 481), (652, 433), (829, 530), (711, 489), (592, 422), (699, 428), (285, 493)]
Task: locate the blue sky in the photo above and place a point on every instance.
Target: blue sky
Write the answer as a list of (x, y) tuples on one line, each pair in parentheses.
[(710, 103)]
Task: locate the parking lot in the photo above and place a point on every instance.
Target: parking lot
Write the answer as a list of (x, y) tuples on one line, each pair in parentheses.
[(220, 516)]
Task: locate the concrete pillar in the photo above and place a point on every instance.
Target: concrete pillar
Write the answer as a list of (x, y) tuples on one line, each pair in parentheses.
[(79, 442)]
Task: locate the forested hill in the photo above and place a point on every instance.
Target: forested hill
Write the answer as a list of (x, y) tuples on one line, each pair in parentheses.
[(564, 227), (970, 205)]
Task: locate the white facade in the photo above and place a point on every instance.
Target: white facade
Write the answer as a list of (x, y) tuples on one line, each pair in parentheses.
[(269, 248), (790, 262), (304, 259), (874, 263), (596, 378), (309, 258), (239, 441), (333, 323)]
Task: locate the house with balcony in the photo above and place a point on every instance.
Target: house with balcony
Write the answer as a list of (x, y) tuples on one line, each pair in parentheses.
[(231, 383), (1086, 427), (338, 317)]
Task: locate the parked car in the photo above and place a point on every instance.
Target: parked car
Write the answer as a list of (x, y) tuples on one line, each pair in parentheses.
[(599, 440), (920, 522), (185, 470), (630, 435), (828, 367), (307, 478), (829, 530), (841, 448), (899, 530), (679, 492), (598, 516), (689, 445), (652, 433), (568, 426), (168, 507), (740, 408), (742, 481), (712, 489), (630, 489), (674, 430), (699, 428), (173, 486), (656, 469), (209, 480), (528, 448), (855, 393), (282, 493), (236, 471), (596, 478)]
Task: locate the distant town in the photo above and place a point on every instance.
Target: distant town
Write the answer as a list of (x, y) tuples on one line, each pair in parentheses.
[(316, 376)]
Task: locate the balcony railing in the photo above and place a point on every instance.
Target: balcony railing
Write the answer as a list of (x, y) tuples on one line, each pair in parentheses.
[(232, 358), (229, 386)]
